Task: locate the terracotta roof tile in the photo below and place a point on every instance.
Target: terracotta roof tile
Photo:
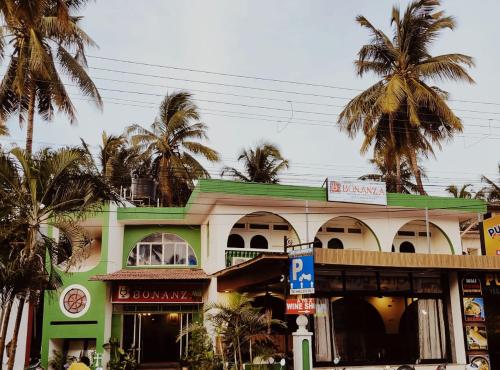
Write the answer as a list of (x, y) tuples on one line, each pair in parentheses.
[(153, 274)]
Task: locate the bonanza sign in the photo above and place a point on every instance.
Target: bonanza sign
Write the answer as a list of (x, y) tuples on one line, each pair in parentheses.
[(491, 231), (366, 192), (155, 294)]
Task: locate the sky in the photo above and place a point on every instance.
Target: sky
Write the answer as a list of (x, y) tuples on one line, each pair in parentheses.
[(314, 42)]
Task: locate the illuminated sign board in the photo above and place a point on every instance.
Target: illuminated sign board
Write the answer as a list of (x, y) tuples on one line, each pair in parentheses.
[(491, 232)]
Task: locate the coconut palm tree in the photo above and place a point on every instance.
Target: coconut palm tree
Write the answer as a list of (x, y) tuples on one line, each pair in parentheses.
[(46, 41), (172, 142), (389, 176), (492, 190), (402, 108), (56, 188), (464, 192), (263, 163)]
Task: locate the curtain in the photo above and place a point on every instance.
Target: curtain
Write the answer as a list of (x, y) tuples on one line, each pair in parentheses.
[(431, 329), (323, 331)]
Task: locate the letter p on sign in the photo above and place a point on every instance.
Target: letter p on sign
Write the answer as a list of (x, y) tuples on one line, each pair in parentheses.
[(296, 267)]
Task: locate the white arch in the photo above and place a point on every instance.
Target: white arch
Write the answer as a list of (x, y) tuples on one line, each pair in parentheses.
[(441, 242), (366, 241)]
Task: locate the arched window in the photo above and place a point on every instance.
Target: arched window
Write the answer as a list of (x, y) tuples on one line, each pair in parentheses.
[(317, 243), (335, 243), (162, 249), (235, 241), (258, 242), (406, 247)]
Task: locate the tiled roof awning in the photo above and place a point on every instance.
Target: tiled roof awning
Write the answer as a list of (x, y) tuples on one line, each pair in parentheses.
[(153, 274)]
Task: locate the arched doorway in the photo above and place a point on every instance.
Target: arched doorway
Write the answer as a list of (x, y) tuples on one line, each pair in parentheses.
[(412, 238), (358, 328), (346, 233)]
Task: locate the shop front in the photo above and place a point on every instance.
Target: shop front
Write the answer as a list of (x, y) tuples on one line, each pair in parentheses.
[(369, 317), (149, 313)]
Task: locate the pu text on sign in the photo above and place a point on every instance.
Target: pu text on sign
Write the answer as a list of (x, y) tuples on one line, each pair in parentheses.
[(300, 306), (301, 271)]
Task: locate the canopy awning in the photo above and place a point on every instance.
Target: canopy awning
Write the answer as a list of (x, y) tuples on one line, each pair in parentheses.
[(142, 274), (357, 258), (262, 270)]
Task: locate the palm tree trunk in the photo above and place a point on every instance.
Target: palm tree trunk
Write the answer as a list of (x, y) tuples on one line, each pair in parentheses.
[(31, 118), (416, 172), (396, 154), (398, 173), (5, 326), (165, 182), (15, 334)]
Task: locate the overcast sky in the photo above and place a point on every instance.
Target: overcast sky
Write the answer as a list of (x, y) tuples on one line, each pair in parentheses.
[(314, 41)]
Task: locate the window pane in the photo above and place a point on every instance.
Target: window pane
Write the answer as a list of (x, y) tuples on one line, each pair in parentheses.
[(395, 282), (191, 257), (168, 254), (154, 238), (156, 254), (427, 284), (329, 281), (171, 238), (144, 254), (132, 257), (360, 280), (180, 254)]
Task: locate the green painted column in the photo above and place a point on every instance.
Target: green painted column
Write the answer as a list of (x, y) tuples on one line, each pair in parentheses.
[(305, 354)]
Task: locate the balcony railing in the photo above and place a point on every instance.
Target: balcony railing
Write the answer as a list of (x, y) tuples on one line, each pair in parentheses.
[(236, 256)]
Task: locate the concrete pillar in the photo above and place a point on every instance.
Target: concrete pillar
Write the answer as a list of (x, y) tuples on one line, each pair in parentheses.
[(302, 346), (457, 331)]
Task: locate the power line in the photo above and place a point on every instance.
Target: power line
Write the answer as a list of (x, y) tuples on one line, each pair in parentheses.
[(249, 87), (134, 62)]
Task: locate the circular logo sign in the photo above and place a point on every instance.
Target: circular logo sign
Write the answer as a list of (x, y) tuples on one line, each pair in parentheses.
[(74, 301)]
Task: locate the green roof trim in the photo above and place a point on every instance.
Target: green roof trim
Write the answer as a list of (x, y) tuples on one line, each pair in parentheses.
[(257, 189), (292, 192), (433, 202), (151, 213)]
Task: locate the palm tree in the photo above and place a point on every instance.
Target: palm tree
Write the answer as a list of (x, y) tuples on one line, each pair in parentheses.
[(240, 326), (463, 192), (56, 188), (46, 40), (493, 188), (263, 163), (388, 175), (172, 143), (108, 150), (402, 109)]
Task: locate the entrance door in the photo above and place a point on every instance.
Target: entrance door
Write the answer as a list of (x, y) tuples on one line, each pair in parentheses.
[(159, 333), (155, 336)]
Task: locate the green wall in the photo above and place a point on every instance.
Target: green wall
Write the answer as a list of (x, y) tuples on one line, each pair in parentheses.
[(96, 312), (134, 234)]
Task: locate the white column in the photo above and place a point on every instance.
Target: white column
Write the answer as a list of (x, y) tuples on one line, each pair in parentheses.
[(456, 330), (298, 337)]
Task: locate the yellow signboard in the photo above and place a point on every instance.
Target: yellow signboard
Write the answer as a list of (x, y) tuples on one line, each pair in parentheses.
[(491, 229)]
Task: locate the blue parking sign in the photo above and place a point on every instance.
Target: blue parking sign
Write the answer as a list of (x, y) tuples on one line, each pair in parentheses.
[(301, 271)]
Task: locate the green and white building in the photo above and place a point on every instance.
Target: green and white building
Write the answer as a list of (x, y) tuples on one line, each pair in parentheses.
[(388, 277)]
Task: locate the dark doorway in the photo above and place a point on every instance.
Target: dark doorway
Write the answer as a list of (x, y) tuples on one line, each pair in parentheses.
[(491, 304), (159, 334)]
